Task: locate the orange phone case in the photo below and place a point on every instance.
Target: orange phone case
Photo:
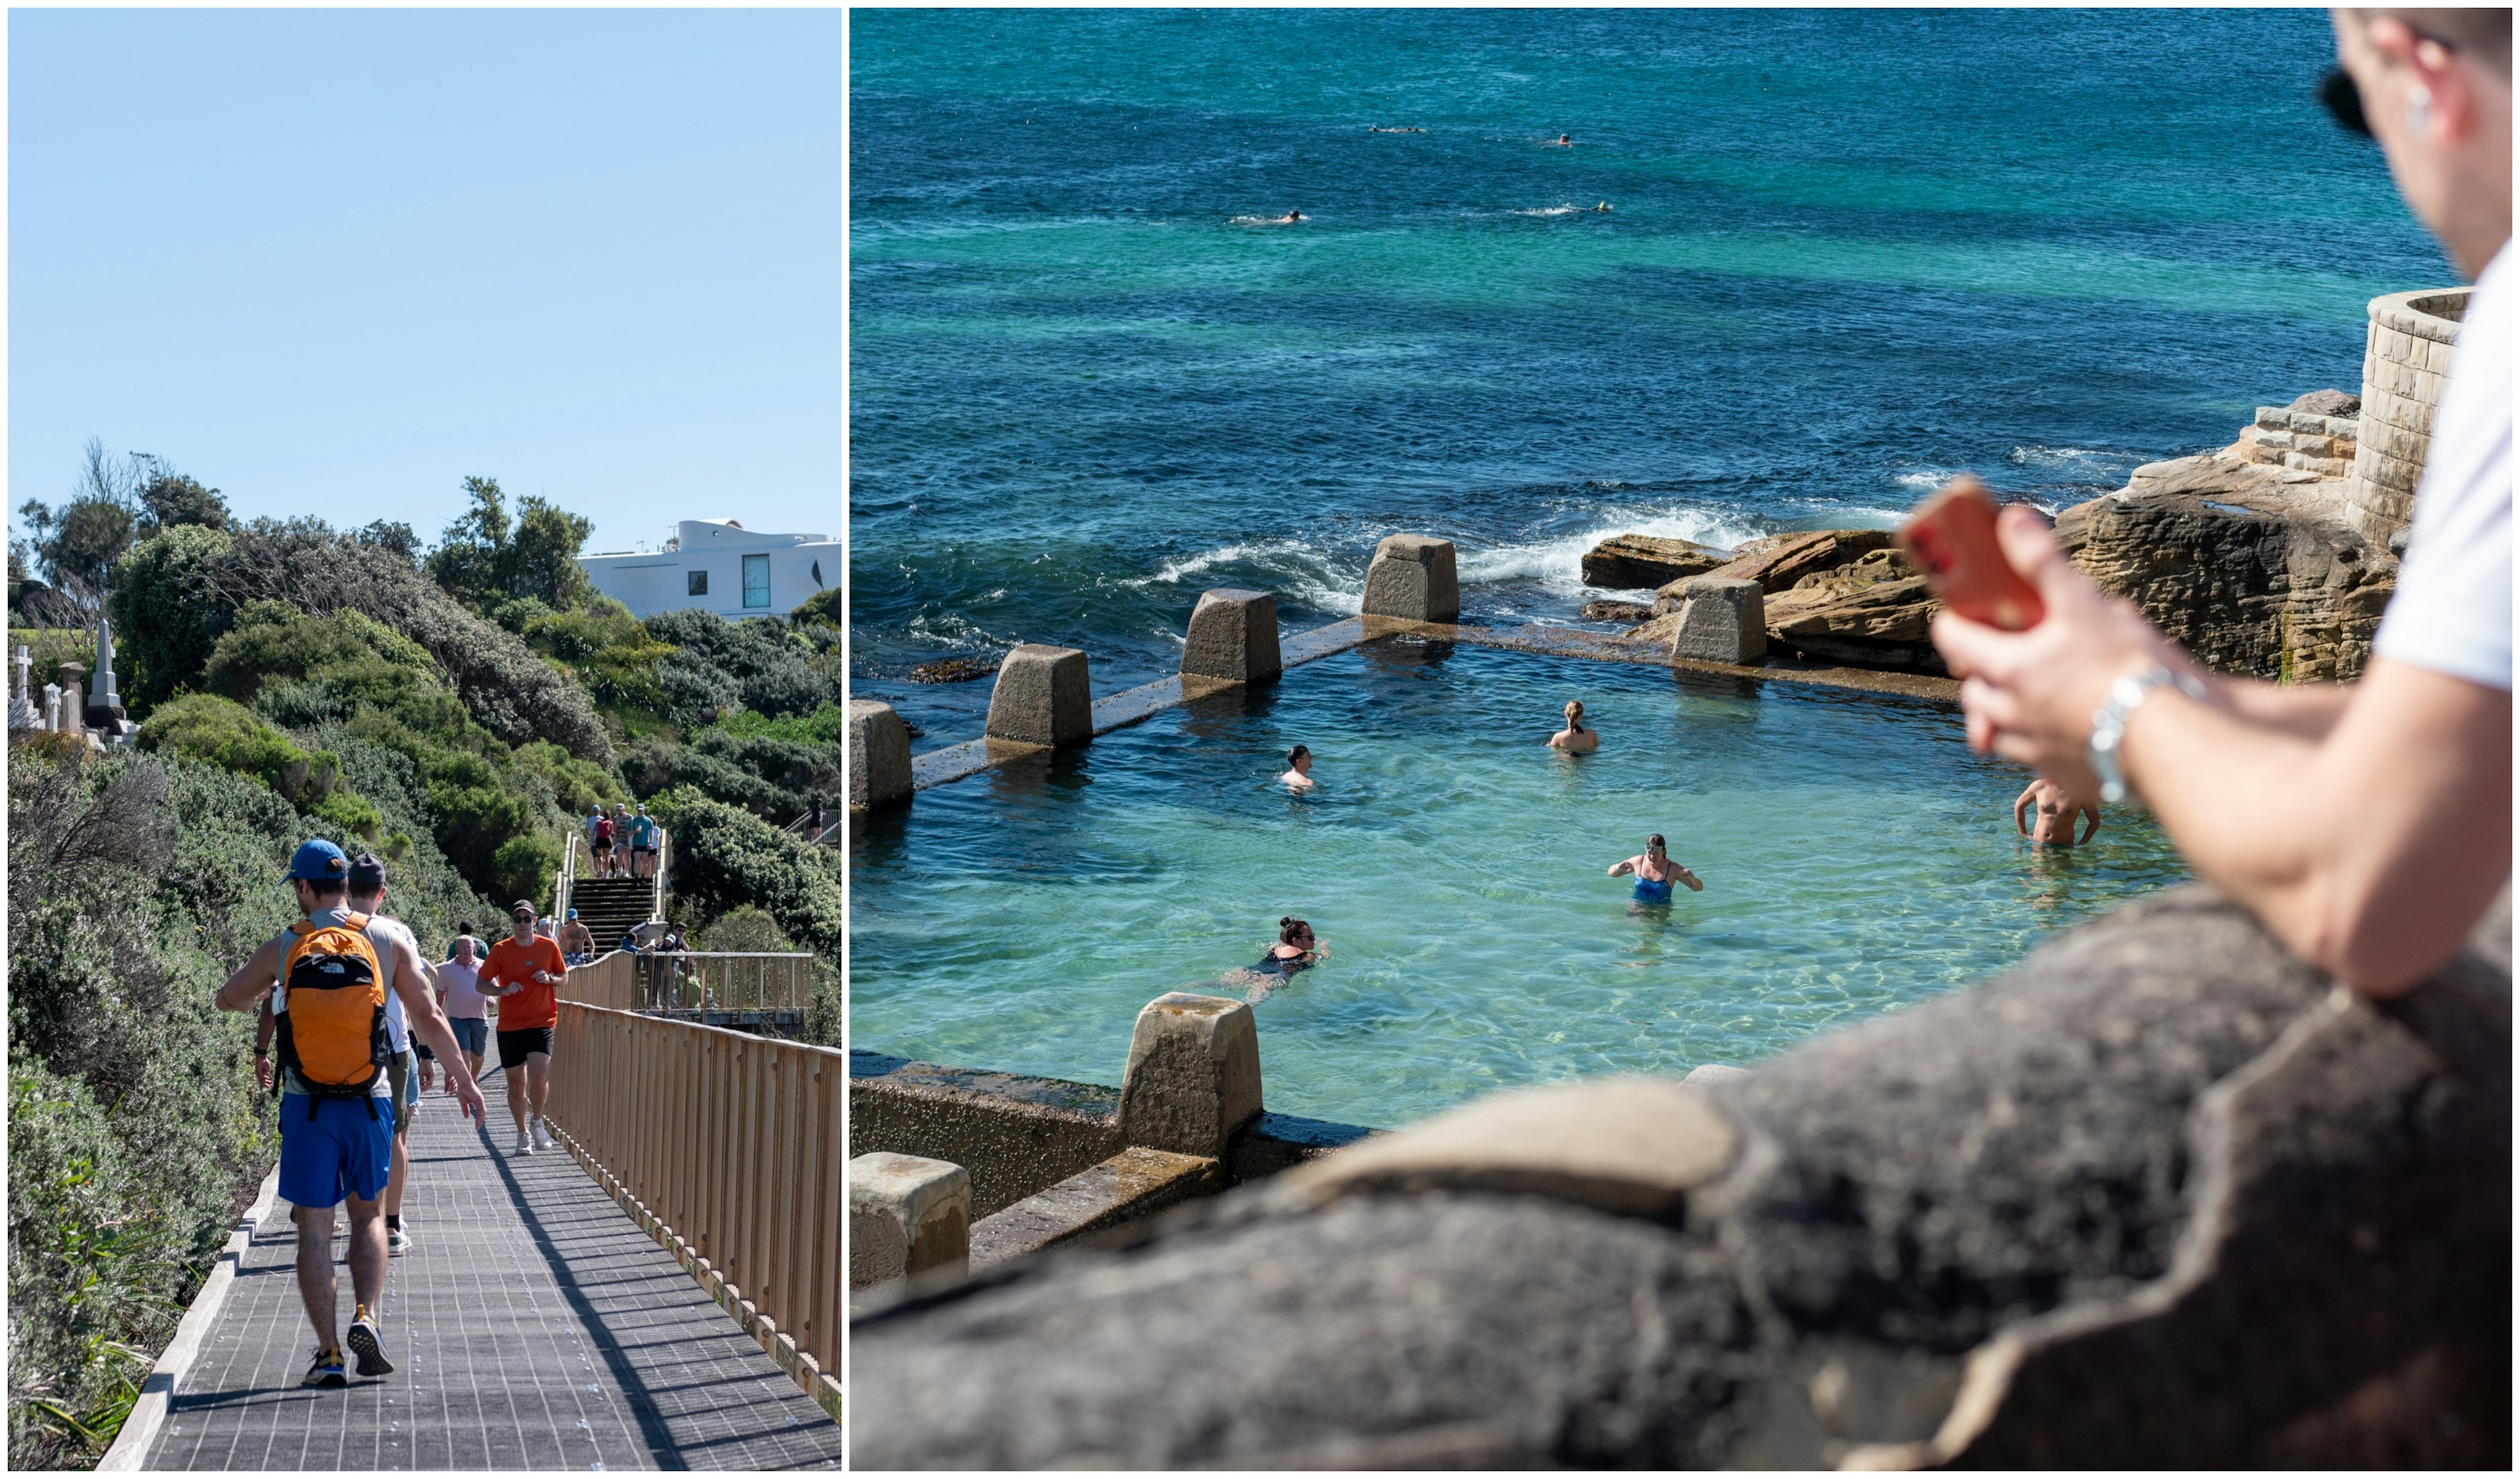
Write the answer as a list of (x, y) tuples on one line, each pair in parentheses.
[(1952, 539)]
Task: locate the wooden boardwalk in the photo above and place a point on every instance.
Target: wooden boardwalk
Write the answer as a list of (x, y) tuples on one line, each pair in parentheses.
[(533, 1326)]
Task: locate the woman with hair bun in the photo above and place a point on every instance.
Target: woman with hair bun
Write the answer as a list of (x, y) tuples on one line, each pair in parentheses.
[(1295, 949), (1575, 739)]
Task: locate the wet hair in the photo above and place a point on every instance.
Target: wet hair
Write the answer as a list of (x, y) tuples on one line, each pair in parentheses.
[(1289, 926), (1297, 754), (1655, 840), (1575, 715)]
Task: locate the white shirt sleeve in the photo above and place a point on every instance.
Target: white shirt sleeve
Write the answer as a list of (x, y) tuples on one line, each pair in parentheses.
[(2452, 611)]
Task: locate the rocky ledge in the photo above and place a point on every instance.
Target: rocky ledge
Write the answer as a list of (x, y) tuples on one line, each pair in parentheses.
[(2243, 555), (2160, 1198)]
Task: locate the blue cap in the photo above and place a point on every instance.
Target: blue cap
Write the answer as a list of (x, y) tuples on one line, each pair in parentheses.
[(319, 862), (572, 914)]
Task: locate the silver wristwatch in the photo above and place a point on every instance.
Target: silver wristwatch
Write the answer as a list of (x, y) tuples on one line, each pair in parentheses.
[(2109, 722)]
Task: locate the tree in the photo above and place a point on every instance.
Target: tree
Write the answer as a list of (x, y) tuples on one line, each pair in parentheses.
[(486, 560), (167, 610), (168, 498)]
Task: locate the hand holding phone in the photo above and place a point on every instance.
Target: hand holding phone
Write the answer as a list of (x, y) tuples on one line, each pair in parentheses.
[(1950, 537)]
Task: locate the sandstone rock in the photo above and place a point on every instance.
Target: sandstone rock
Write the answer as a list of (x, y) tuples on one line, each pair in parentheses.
[(1638, 562), (1617, 610), (2226, 558), (2328, 403), (1777, 562), (2160, 1198), (1875, 612)]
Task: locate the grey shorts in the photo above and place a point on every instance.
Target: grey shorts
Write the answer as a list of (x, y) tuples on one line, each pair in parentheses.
[(403, 1071)]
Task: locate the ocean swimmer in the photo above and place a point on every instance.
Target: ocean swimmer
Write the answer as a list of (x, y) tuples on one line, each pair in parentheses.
[(1562, 141), (1575, 739), (1604, 205), (1299, 770), (1296, 950), (1655, 872), (2057, 812)]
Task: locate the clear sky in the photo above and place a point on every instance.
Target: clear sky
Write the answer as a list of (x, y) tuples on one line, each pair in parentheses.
[(332, 261)]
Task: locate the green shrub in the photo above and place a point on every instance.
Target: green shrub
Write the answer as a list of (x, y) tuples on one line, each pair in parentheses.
[(167, 612), (726, 858), (767, 665), (135, 884), (745, 929), (223, 734)]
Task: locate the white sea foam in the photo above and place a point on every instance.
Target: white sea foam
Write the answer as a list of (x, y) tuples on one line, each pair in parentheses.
[(1925, 479), (1557, 562), (1547, 210), (1297, 572)]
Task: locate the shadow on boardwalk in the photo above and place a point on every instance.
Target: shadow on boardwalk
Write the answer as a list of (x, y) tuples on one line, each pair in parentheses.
[(532, 1326)]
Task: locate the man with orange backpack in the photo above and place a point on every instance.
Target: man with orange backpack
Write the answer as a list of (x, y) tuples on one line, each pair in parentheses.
[(329, 976)]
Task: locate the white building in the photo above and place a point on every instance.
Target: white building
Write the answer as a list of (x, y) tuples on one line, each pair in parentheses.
[(722, 566)]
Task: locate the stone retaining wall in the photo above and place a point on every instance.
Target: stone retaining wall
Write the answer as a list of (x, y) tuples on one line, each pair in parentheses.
[(2410, 342)]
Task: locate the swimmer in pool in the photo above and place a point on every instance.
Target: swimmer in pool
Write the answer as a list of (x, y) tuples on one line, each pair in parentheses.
[(1296, 950), (1563, 141), (1299, 769), (1655, 871), (1575, 739), (2058, 814)]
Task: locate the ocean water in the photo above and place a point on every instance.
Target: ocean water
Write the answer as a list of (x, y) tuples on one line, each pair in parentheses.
[(1857, 859), (1849, 252)]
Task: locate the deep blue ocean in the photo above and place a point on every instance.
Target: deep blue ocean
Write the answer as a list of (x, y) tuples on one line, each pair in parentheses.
[(1848, 252)]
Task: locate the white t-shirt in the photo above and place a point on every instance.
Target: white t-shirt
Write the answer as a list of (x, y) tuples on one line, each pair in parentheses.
[(2452, 612), (464, 997), (384, 933)]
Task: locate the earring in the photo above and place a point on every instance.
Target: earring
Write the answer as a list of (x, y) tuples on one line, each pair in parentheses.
[(2419, 109)]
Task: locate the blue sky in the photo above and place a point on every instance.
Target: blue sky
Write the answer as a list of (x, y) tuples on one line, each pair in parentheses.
[(332, 261)]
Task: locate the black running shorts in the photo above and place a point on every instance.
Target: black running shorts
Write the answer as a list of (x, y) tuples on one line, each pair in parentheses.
[(514, 1046)]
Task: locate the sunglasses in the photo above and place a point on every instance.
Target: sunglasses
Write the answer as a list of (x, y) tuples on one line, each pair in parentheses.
[(2343, 101)]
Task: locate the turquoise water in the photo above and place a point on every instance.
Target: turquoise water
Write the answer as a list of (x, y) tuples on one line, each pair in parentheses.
[(1857, 858), (1851, 252)]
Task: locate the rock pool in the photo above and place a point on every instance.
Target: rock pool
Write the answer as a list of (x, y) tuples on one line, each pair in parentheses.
[(1857, 858)]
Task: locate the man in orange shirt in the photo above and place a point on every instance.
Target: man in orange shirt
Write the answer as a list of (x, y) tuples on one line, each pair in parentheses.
[(525, 973)]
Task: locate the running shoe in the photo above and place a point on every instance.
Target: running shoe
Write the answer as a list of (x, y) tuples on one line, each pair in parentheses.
[(327, 1371), (525, 1143), (397, 1240), (542, 1135), (370, 1344)]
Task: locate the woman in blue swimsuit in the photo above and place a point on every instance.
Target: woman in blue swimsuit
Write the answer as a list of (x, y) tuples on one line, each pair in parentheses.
[(1655, 872)]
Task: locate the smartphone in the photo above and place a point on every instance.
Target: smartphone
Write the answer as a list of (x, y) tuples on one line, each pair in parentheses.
[(1952, 539)]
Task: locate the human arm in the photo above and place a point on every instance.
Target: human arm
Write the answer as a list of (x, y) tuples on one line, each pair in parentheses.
[(1695, 885), (252, 980), (2369, 849), (266, 1027), (412, 980), (2094, 812), (2020, 806), (1618, 870)]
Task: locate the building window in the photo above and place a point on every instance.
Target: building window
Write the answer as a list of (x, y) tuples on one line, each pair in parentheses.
[(696, 583), (756, 582)]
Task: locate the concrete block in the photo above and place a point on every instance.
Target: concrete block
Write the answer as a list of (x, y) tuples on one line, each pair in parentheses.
[(1135, 1184), (879, 755), (1722, 619), (1044, 696), (1193, 1074), (907, 1215), (2280, 441), (2273, 417), (2345, 427), (1233, 636), (2306, 421), (1413, 578)]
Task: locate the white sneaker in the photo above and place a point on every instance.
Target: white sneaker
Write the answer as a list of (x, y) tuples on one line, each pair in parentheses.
[(541, 1137), (525, 1143)]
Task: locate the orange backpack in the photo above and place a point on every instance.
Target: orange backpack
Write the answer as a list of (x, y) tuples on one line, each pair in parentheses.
[(332, 1032)]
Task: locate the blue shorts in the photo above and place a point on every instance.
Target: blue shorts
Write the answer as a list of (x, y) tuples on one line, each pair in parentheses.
[(471, 1034), (343, 1150)]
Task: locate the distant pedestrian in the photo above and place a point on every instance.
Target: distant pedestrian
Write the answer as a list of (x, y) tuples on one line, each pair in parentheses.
[(329, 976), (605, 837), (467, 1012), (645, 836), (523, 974), (815, 825), (576, 941)]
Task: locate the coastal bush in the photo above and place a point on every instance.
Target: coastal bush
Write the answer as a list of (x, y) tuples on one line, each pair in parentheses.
[(485, 559), (167, 615), (726, 858), (223, 734), (747, 928), (135, 884), (769, 666)]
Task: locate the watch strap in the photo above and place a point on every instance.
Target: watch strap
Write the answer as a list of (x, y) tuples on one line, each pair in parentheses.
[(2109, 722)]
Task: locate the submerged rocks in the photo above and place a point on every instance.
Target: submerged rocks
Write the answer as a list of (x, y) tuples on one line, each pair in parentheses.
[(1617, 610), (2223, 557), (1641, 562)]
